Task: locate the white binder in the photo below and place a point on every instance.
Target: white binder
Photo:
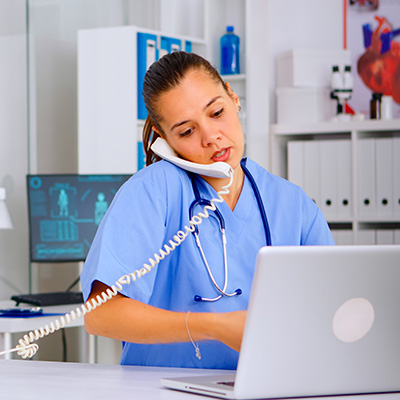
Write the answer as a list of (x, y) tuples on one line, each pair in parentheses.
[(329, 160), (384, 236), (312, 170), (384, 177), (397, 236), (366, 237), (343, 237), (344, 181), (396, 178), (366, 178), (296, 162)]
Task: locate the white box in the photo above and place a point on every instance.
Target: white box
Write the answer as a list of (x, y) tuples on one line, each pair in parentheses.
[(304, 105), (309, 67)]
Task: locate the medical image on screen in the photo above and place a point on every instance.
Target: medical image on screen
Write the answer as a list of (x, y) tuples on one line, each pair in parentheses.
[(65, 211)]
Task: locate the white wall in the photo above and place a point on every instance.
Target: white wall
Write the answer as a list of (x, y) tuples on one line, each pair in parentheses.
[(305, 24)]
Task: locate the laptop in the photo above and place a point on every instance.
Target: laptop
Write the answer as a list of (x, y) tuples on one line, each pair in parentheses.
[(322, 320)]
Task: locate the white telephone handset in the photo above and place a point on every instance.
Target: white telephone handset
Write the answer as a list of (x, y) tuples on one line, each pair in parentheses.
[(27, 348), (216, 170)]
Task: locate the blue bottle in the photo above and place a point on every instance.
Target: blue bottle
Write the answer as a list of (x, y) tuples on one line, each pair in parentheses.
[(230, 52)]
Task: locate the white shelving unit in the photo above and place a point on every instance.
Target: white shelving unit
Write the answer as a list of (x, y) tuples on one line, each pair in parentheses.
[(108, 127), (355, 133), (108, 87)]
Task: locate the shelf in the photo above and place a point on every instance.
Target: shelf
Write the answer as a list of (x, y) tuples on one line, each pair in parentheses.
[(354, 138), (336, 127), (379, 220), (234, 77)]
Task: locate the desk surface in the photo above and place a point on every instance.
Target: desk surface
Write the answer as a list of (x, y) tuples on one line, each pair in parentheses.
[(40, 379), (13, 325)]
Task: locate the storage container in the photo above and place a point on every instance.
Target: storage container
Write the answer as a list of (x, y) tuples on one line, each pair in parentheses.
[(309, 67), (304, 105)]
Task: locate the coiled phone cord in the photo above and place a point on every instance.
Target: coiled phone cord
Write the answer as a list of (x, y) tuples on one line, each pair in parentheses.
[(27, 348)]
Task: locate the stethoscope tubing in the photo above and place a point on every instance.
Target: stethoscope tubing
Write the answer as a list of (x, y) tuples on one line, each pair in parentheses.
[(221, 220), (259, 201)]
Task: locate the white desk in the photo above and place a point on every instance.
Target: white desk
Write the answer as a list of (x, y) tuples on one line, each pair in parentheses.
[(8, 326), (37, 380)]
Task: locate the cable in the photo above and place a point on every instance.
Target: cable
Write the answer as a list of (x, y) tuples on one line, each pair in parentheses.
[(64, 343), (26, 347), (75, 282)]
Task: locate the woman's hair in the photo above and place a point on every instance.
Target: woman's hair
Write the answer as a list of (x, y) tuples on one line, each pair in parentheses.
[(163, 75)]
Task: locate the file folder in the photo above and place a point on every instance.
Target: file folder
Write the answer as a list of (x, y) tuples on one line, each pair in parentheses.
[(329, 160), (141, 157), (366, 237), (146, 54), (397, 236), (384, 236), (296, 162), (163, 46), (169, 45), (366, 178), (344, 181), (396, 178), (384, 177), (312, 170), (343, 237), (188, 46)]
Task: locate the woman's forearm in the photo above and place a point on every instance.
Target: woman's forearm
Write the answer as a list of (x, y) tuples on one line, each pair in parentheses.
[(130, 320)]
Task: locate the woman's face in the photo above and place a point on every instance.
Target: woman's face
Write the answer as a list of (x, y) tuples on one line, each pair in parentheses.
[(200, 120)]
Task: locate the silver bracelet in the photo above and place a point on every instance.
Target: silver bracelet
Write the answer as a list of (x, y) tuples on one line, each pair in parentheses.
[(196, 347)]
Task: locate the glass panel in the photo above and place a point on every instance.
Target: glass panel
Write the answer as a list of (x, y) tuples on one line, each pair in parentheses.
[(13, 147), (53, 28)]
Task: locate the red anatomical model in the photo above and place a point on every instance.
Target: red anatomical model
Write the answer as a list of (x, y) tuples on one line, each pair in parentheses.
[(379, 66)]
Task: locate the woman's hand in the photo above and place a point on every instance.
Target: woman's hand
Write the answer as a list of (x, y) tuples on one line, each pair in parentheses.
[(225, 327), (230, 328)]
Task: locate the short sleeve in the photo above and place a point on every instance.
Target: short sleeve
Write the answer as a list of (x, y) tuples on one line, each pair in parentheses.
[(317, 231), (132, 228)]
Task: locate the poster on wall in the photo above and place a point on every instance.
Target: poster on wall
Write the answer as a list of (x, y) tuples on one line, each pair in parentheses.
[(373, 38)]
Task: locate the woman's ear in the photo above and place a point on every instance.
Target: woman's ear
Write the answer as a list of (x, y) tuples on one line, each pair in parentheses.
[(157, 131), (233, 95)]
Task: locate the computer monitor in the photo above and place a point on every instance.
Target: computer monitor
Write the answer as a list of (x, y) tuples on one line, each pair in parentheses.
[(64, 213)]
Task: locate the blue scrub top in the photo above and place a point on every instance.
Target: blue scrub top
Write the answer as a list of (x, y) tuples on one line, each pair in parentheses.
[(148, 211)]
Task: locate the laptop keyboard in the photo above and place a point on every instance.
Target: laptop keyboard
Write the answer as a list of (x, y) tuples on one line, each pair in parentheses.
[(49, 299), (230, 383)]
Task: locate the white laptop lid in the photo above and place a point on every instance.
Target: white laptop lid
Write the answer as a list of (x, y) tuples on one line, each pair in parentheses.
[(300, 342), (322, 320)]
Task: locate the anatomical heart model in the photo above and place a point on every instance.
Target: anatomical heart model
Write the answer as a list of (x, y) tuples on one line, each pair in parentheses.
[(379, 66)]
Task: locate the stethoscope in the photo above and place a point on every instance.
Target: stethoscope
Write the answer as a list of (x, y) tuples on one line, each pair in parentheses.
[(203, 202)]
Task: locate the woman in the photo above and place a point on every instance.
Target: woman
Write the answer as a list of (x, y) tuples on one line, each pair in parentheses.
[(157, 317)]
